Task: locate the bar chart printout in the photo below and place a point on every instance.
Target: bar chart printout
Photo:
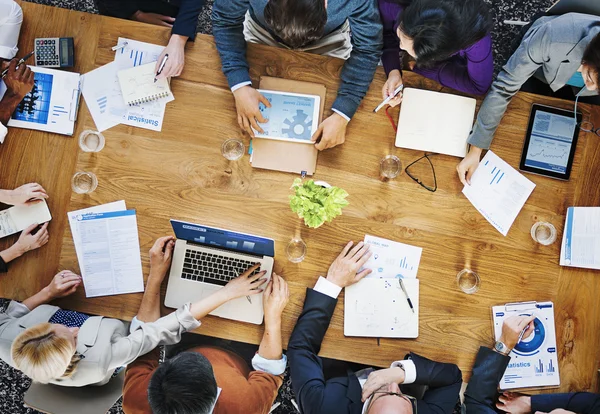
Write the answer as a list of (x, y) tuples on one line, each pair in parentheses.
[(391, 259)]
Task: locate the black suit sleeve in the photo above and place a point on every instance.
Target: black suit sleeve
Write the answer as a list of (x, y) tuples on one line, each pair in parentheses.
[(443, 381), (186, 21), (306, 368), (480, 396), (122, 9), (3, 265), (578, 402)]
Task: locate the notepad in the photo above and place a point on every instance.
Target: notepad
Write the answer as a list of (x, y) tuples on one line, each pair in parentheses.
[(18, 218), (581, 238), (138, 86)]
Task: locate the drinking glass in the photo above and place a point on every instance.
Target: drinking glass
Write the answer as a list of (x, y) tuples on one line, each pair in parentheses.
[(91, 141), (390, 166), (84, 182), (296, 250), (468, 281), (544, 233), (233, 149)]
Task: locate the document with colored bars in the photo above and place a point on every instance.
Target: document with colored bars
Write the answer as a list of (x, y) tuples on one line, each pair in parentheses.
[(534, 360)]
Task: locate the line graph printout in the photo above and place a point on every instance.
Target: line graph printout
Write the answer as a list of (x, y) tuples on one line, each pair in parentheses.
[(550, 143), (498, 192), (392, 259)]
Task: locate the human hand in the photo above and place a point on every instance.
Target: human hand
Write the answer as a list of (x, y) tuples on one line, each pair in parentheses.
[(393, 81), (28, 241), (331, 132), (19, 81), (63, 284), (153, 18), (176, 60), (344, 271), (248, 113), (512, 328), (27, 193), (379, 378), (275, 299), (514, 403), (161, 255), (466, 168), (557, 411), (244, 284)]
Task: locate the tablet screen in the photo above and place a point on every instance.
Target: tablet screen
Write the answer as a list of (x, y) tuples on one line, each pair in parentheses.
[(550, 142)]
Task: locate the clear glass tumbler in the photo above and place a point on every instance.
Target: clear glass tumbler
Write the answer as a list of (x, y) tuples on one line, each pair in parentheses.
[(544, 233), (84, 182), (468, 281), (233, 149), (390, 166), (91, 141), (296, 250)]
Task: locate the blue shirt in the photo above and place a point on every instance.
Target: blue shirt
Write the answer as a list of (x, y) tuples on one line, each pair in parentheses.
[(70, 319), (576, 80)]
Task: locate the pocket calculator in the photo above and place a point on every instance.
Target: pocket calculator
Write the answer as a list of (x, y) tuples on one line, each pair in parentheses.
[(54, 52)]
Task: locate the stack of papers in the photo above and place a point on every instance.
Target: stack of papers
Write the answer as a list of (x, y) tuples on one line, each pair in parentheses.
[(18, 218), (108, 249), (103, 96), (377, 306), (498, 192), (581, 238)]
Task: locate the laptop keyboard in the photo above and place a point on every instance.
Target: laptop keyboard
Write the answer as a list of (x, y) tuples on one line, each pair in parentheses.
[(213, 268)]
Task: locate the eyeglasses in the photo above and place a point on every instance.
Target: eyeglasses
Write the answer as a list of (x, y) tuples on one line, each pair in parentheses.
[(419, 180), (412, 400), (586, 126)]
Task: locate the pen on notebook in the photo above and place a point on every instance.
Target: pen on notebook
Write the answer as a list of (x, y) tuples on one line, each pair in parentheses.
[(119, 47), (162, 65), (389, 98), (401, 283), (249, 300), (20, 62)]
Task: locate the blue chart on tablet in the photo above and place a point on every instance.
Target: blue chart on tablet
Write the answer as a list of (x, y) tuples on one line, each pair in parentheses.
[(550, 143), (291, 117)]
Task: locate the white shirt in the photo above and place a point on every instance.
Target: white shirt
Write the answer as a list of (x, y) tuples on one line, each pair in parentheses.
[(11, 17), (332, 290)]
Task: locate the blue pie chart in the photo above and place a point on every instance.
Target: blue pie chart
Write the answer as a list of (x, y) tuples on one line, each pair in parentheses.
[(531, 346)]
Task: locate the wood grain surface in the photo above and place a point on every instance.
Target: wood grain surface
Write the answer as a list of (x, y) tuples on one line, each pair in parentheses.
[(180, 173)]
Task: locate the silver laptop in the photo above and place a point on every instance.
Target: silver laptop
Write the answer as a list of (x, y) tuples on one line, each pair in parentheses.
[(206, 258)]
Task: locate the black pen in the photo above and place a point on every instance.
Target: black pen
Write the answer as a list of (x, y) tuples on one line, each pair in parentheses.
[(20, 62), (406, 294)]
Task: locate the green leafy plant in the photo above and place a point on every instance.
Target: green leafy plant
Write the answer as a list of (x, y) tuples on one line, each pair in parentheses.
[(317, 204)]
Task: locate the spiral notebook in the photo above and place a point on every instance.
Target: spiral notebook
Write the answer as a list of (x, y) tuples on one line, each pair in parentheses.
[(138, 86)]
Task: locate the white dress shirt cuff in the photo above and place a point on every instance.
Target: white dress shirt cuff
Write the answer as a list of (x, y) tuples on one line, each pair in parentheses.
[(410, 370), (270, 366), (240, 85), (328, 288), (3, 132), (135, 324), (343, 115)]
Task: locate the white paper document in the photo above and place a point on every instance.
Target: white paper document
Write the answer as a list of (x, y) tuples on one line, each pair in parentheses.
[(498, 192), (18, 218), (102, 94), (435, 122), (378, 308), (581, 238), (392, 259)]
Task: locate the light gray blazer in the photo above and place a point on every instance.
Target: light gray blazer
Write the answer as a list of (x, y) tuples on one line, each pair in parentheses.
[(105, 343), (551, 50)]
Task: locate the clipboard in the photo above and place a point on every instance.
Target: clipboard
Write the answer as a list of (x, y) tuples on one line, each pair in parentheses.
[(286, 156)]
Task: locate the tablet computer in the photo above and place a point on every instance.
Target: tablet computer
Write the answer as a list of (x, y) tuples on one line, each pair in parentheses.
[(291, 117), (550, 142)]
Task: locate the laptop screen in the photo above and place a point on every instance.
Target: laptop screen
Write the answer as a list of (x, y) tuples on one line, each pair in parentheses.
[(230, 240)]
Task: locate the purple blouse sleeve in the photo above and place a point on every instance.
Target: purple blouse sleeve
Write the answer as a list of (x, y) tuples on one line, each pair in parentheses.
[(391, 44), (474, 78)]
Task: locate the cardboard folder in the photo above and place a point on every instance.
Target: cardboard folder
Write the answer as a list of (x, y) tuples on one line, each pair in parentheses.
[(287, 156)]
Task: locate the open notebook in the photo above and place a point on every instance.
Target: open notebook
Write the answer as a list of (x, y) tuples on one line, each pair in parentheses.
[(138, 86)]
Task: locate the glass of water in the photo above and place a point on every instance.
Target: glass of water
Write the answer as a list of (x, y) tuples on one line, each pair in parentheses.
[(468, 281), (84, 182), (390, 166), (233, 149), (91, 141), (544, 233), (296, 250)]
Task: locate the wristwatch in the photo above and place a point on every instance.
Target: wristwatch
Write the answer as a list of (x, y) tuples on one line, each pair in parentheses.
[(501, 348)]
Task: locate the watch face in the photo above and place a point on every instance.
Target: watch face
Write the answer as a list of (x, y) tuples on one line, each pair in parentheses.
[(500, 347)]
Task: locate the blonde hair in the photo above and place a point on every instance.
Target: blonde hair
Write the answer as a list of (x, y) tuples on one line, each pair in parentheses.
[(42, 355)]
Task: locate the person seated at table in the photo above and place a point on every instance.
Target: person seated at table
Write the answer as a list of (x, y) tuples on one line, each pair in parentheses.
[(317, 26), (34, 236), (19, 80), (449, 40), (490, 364), (366, 391), (62, 347), (179, 15), (204, 376), (562, 52)]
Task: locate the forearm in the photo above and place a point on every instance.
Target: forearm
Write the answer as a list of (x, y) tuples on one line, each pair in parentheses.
[(11, 253), (8, 105), (40, 298), (150, 307), (205, 306), (270, 347)]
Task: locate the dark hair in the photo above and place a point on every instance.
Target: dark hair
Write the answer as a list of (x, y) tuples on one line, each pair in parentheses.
[(296, 22), (591, 57), (183, 385), (440, 28)]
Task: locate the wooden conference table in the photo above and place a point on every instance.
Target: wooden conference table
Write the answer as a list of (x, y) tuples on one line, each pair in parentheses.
[(179, 173)]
